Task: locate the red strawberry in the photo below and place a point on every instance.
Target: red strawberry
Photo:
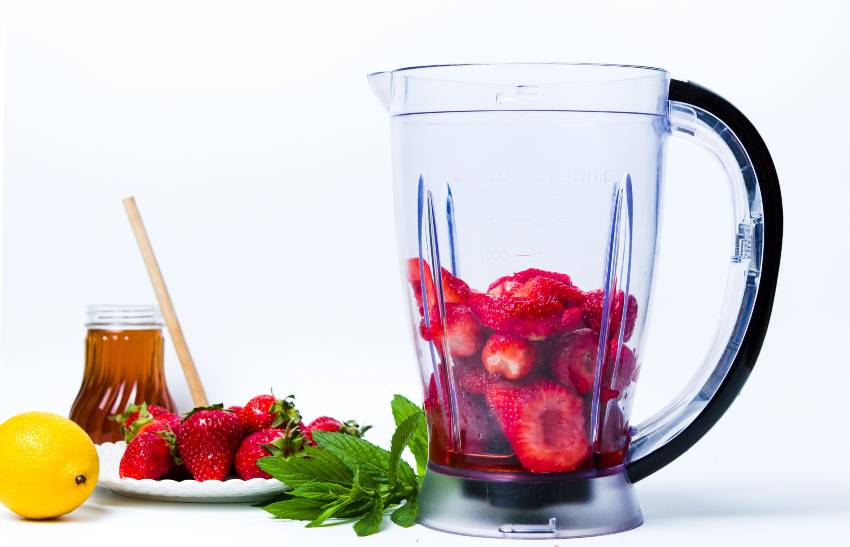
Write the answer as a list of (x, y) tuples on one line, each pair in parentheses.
[(439, 421), (267, 411), (542, 288), (613, 437), (593, 306), (509, 356), (479, 431), (472, 378), (326, 423), (415, 269), (617, 378), (572, 319), (544, 423), (464, 332), (148, 456), (263, 443), (208, 439), (431, 330), (144, 417), (506, 285), (532, 319), (573, 362), (455, 290)]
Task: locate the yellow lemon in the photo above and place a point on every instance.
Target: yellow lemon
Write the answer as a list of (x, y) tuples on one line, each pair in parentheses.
[(48, 465)]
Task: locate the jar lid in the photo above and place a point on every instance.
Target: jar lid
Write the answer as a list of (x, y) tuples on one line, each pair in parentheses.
[(123, 316)]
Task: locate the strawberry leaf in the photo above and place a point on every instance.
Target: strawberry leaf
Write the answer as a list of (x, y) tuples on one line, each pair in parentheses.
[(402, 409)]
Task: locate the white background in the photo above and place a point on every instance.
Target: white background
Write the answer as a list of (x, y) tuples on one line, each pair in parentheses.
[(260, 161)]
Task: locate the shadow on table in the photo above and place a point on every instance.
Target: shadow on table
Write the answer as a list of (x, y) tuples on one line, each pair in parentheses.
[(85, 513), (775, 499), (103, 499)]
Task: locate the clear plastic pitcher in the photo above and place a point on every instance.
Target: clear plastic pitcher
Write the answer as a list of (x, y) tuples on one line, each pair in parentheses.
[(527, 202)]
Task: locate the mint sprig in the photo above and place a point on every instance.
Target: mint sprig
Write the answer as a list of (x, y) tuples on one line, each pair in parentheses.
[(347, 477), (418, 442)]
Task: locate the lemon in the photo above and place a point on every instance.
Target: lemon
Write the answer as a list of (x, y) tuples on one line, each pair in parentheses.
[(48, 465)]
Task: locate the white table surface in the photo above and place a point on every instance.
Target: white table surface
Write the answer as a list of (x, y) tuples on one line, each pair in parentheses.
[(701, 510)]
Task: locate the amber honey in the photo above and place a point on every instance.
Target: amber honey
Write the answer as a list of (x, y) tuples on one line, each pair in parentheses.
[(123, 364)]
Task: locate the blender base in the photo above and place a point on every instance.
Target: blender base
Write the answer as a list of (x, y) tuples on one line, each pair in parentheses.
[(507, 505)]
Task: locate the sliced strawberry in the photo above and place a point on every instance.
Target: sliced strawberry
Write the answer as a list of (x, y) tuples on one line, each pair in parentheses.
[(509, 356), (613, 437), (544, 423), (617, 378), (415, 269), (504, 286), (544, 288), (472, 378), (532, 319), (439, 421), (464, 332), (593, 307), (573, 362), (455, 290), (479, 431), (572, 319)]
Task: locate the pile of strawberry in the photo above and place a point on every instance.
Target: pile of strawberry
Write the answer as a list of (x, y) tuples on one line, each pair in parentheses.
[(208, 442), (523, 368)]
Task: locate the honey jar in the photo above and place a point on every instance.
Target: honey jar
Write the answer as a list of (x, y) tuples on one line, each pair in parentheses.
[(124, 364)]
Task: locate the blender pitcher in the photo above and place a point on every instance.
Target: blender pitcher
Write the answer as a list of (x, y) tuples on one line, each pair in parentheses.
[(527, 200)]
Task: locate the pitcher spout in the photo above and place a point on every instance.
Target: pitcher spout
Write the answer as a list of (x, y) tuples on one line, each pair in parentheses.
[(381, 83)]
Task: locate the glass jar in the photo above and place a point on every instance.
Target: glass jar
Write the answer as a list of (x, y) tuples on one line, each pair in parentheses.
[(124, 364)]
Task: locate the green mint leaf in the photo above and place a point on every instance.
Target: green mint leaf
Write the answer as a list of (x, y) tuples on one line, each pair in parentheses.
[(327, 512), (405, 515), (371, 521), (355, 510), (363, 486), (360, 453), (403, 408), (316, 466), (402, 436), (295, 509), (319, 490)]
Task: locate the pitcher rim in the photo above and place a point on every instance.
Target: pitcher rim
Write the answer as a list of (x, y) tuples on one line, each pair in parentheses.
[(647, 68)]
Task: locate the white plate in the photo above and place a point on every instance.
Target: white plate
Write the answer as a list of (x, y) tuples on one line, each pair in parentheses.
[(228, 491)]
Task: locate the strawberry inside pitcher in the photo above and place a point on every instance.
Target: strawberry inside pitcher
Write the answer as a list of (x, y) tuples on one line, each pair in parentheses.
[(515, 384)]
